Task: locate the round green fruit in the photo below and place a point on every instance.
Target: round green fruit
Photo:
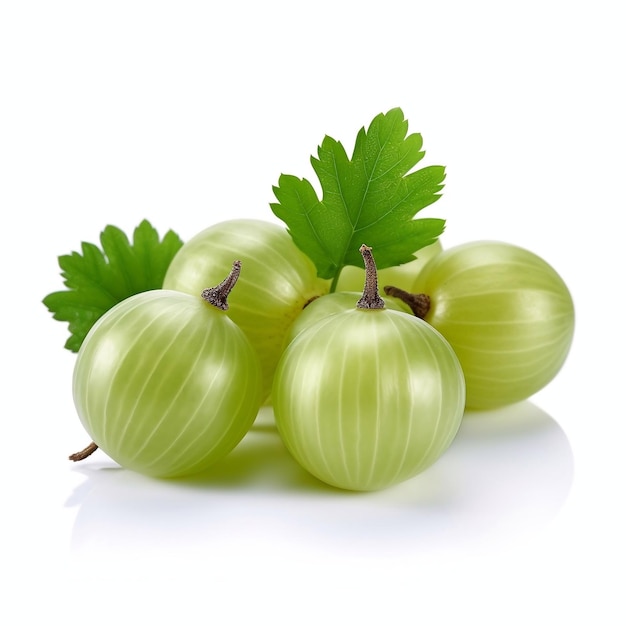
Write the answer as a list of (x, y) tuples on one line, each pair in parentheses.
[(166, 384), (278, 281), (506, 312), (369, 397)]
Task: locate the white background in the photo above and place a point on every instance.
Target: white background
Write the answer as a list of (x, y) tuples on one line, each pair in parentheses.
[(186, 113)]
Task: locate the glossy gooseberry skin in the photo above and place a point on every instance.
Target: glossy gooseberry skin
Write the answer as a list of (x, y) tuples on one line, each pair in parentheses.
[(365, 399), (278, 281), (352, 278), (506, 312), (166, 384)]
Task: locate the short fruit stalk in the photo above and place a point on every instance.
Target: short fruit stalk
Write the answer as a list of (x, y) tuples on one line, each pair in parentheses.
[(331, 304), (352, 278)]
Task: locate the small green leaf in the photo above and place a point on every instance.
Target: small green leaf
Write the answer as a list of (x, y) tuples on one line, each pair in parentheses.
[(98, 279), (370, 198)]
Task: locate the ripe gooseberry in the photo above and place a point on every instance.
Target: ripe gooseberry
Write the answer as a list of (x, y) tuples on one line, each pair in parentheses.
[(279, 280), (506, 312), (369, 397), (166, 383)]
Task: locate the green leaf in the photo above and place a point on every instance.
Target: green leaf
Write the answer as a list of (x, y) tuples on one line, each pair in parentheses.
[(98, 279), (370, 198)]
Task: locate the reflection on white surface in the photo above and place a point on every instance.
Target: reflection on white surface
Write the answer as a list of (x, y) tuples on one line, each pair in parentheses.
[(507, 474)]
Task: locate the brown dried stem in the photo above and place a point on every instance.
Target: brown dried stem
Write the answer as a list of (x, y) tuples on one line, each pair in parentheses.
[(371, 298), (83, 454), (419, 303), (217, 296)]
